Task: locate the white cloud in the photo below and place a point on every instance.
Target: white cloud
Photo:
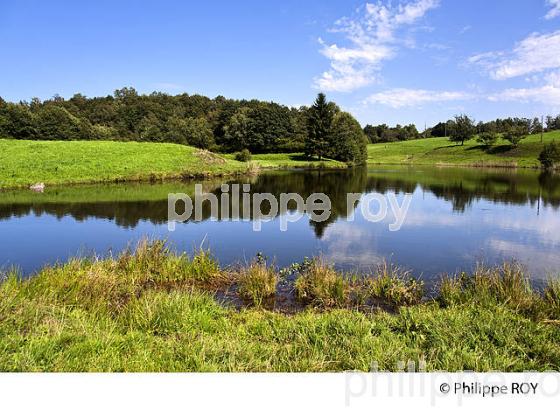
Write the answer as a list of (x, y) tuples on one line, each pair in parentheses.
[(405, 97), (535, 54), (554, 11), (547, 94), (537, 58), (372, 40), (553, 78), (485, 59)]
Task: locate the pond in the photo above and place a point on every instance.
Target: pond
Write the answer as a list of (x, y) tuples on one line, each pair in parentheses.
[(456, 219)]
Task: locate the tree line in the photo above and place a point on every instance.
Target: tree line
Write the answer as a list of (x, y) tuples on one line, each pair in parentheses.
[(219, 124), (457, 129)]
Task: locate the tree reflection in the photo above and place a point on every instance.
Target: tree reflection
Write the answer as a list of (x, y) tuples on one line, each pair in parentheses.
[(459, 187)]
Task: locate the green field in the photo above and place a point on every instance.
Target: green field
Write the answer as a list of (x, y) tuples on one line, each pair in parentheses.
[(440, 151), (23, 163), (155, 311), (292, 160)]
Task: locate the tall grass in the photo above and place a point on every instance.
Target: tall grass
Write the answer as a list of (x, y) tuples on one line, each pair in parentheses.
[(257, 282), (395, 286), (508, 285), (505, 284), (320, 285), (551, 299)]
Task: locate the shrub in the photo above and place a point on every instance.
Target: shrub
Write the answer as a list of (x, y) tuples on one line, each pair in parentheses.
[(515, 134), (257, 282), (550, 155), (243, 156), (487, 138)]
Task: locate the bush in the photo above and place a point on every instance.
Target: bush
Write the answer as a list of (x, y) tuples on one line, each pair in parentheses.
[(550, 155), (515, 134), (243, 156), (487, 138)]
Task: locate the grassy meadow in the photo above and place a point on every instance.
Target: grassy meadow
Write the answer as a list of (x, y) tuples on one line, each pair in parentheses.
[(153, 310), (23, 163), (440, 151)]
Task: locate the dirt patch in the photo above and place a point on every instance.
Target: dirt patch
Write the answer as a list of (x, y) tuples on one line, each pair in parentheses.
[(209, 158)]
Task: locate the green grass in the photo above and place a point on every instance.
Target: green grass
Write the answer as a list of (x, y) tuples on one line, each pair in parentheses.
[(23, 163), (440, 151), (154, 310), (291, 160), (320, 285), (99, 193), (257, 282)]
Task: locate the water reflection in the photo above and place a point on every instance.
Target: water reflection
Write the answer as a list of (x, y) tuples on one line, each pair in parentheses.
[(457, 217)]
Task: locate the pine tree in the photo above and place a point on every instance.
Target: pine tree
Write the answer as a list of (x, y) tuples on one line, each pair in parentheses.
[(320, 119)]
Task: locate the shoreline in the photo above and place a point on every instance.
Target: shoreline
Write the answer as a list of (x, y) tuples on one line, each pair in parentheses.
[(458, 165), (149, 309), (203, 176), (66, 163)]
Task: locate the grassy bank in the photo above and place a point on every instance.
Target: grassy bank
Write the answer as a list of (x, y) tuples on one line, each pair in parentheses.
[(291, 160), (23, 163), (440, 151), (153, 310)]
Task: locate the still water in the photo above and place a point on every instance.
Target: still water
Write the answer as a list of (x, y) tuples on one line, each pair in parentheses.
[(456, 218)]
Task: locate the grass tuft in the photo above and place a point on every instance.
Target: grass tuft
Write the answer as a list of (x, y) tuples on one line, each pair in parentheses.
[(205, 268), (507, 284), (320, 285), (551, 299), (395, 286), (257, 282)]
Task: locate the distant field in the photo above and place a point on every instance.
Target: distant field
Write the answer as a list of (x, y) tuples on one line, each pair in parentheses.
[(23, 163), (440, 151)]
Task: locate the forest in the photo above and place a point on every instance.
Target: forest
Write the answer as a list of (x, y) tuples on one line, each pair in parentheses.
[(218, 124)]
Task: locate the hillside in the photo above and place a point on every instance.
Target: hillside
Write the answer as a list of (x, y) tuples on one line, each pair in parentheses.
[(23, 162), (440, 151)]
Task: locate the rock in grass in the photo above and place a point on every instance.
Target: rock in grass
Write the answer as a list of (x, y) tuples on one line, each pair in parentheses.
[(39, 187)]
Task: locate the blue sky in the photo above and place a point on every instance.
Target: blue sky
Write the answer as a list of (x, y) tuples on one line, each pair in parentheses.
[(417, 61)]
